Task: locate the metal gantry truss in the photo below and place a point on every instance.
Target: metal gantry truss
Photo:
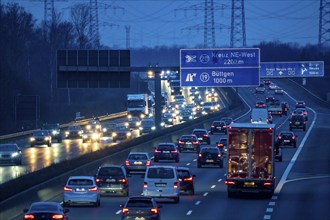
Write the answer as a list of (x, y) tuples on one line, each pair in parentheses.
[(237, 29), (324, 24)]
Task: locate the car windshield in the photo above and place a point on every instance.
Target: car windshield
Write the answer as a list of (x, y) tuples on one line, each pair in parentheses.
[(80, 182), (218, 123), (8, 147), (138, 157), (161, 172), (111, 171), (199, 133), (148, 123), (122, 128), (139, 203), (188, 138), (74, 128), (166, 147), (43, 207)]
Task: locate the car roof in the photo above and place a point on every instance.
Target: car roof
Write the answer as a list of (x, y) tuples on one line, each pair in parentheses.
[(199, 129), (209, 147), (161, 166), (138, 153), (81, 177), (166, 143), (183, 168), (111, 165)]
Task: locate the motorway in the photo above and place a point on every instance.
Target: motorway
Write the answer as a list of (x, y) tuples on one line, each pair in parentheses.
[(303, 177)]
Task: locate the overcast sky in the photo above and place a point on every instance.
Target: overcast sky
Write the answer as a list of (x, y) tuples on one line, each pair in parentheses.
[(167, 22)]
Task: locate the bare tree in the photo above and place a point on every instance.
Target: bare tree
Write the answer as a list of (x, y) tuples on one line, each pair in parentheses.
[(80, 17)]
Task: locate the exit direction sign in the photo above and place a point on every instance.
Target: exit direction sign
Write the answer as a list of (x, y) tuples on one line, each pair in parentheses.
[(237, 67), (292, 69)]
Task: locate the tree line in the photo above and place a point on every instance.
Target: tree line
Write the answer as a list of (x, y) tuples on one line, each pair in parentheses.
[(28, 59)]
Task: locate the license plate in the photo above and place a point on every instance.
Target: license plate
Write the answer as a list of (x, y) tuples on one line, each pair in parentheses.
[(297, 123), (139, 218), (218, 127), (286, 141), (110, 180), (200, 138), (137, 162), (160, 184), (80, 190), (166, 152), (188, 142), (249, 184), (209, 160)]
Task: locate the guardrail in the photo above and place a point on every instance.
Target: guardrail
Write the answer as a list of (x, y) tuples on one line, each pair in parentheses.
[(79, 122)]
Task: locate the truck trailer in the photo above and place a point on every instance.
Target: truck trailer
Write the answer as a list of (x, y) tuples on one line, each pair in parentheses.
[(250, 164)]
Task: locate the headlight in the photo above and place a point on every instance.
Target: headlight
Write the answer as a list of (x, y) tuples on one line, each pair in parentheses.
[(88, 127), (54, 132), (126, 124), (128, 134), (14, 154), (190, 117), (98, 126), (95, 136), (142, 116), (141, 128), (129, 116), (80, 132), (170, 119), (32, 139), (153, 128), (138, 123), (84, 136), (105, 129), (47, 138), (162, 124), (114, 134)]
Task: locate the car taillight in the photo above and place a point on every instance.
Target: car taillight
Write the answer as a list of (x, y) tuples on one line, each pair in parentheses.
[(126, 163), (174, 151), (196, 142), (148, 163), (268, 184), (93, 189), (58, 216), (154, 211), (67, 189), (98, 180), (145, 185), (219, 155), (200, 155), (293, 137), (188, 178), (212, 126), (279, 137), (123, 180), (175, 185), (157, 151), (124, 210), (28, 216), (205, 135), (181, 142)]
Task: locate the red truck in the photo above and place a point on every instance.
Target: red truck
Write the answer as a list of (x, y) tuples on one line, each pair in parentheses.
[(251, 155)]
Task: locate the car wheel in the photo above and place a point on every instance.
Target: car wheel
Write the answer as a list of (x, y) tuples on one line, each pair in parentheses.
[(177, 199), (126, 193)]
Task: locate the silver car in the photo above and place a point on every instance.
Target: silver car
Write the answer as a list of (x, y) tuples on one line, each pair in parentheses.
[(137, 161), (81, 190), (10, 153)]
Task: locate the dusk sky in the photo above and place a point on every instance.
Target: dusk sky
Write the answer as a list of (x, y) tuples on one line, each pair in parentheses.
[(165, 22)]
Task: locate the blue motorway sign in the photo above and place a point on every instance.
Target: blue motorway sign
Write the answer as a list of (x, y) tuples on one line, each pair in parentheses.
[(292, 69), (220, 67)]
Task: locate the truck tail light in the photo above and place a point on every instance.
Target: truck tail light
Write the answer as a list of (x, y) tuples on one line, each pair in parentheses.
[(228, 182), (188, 179), (145, 185), (123, 180)]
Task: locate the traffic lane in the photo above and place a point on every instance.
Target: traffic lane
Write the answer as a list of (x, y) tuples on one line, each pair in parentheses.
[(303, 198)]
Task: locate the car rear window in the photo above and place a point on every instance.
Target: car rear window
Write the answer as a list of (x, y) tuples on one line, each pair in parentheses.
[(139, 203), (188, 138), (44, 207), (80, 182), (183, 173), (166, 147), (138, 157), (110, 171), (199, 133), (209, 150), (160, 172)]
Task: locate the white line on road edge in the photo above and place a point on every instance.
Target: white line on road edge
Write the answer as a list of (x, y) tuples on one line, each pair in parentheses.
[(198, 202), (269, 210), (213, 186), (189, 212), (205, 194), (188, 164), (267, 217), (271, 203), (118, 212), (219, 180), (195, 160)]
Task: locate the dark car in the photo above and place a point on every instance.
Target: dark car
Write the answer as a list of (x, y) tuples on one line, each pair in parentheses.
[(209, 155), (10, 153), (285, 108), (286, 138), (166, 151), (266, 81), (302, 111), (188, 143), (112, 180), (45, 211), (260, 104), (218, 127), (108, 129), (227, 120), (297, 122), (202, 135), (140, 207), (74, 131), (121, 133), (137, 161), (300, 104), (186, 179), (41, 137), (54, 130), (222, 145), (270, 98)]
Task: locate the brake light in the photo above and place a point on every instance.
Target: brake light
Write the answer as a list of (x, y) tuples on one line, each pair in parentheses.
[(279, 137), (181, 142), (212, 126), (93, 189), (58, 216), (228, 182), (293, 137), (196, 142), (123, 180), (219, 155), (174, 151), (268, 184), (205, 135), (148, 163), (188, 178), (98, 180), (28, 216), (200, 155), (157, 151), (126, 163), (67, 189), (145, 185), (175, 185), (124, 210), (154, 211)]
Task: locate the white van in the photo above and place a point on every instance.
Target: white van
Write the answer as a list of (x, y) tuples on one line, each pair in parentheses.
[(260, 116), (162, 182)]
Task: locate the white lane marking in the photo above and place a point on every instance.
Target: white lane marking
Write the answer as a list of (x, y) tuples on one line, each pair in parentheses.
[(118, 212), (307, 178), (188, 164), (195, 160), (267, 217), (274, 197), (189, 212), (213, 186), (269, 210), (198, 202), (219, 180), (205, 194), (224, 174), (271, 203)]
